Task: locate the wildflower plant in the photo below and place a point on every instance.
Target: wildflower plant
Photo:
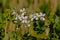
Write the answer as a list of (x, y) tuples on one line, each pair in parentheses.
[(35, 18)]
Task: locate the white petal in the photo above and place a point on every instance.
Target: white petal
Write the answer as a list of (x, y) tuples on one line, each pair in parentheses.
[(37, 18), (43, 19), (41, 14)]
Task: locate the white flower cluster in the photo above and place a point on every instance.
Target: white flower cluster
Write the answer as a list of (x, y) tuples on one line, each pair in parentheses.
[(36, 16), (24, 18)]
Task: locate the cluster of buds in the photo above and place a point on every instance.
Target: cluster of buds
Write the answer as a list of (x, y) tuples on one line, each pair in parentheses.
[(24, 17)]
